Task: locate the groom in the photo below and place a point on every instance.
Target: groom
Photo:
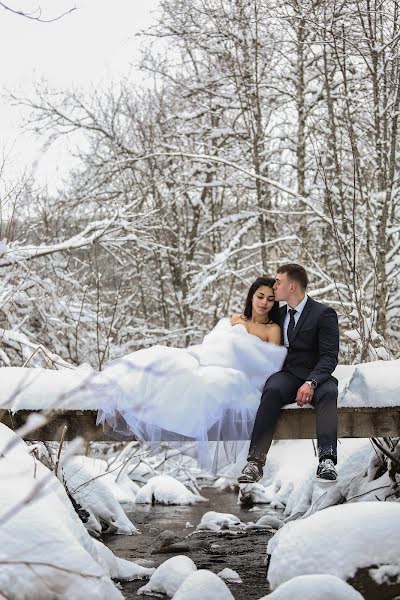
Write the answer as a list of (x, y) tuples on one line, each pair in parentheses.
[(310, 332)]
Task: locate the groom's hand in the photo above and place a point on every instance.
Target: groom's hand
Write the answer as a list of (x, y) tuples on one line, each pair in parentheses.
[(304, 394)]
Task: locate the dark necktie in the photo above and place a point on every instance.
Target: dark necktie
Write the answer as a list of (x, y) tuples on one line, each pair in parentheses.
[(291, 325)]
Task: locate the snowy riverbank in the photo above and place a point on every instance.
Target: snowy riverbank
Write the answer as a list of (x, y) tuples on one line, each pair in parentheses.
[(46, 547)]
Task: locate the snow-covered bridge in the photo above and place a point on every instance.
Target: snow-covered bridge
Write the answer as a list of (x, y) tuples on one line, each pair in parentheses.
[(368, 405), (295, 423)]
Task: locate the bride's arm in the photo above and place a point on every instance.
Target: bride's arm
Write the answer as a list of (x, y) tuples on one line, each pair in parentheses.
[(274, 334)]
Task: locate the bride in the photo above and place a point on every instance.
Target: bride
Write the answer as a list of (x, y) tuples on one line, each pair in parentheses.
[(208, 391)]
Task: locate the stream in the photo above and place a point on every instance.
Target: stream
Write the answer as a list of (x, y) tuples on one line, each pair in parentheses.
[(244, 552)]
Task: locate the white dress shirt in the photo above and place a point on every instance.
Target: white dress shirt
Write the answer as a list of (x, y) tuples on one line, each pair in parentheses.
[(299, 309)]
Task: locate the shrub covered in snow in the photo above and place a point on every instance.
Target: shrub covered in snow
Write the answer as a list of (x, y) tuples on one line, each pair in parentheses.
[(45, 550), (97, 492)]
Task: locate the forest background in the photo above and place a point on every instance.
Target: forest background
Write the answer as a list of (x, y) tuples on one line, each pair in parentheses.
[(265, 132)]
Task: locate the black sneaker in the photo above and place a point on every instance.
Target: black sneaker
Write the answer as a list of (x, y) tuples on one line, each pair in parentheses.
[(326, 470), (251, 473)]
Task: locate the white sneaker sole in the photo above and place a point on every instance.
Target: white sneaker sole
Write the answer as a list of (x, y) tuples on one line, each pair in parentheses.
[(248, 482), (328, 481)]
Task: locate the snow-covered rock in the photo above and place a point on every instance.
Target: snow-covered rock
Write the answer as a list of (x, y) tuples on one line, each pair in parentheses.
[(214, 521), (385, 574), (226, 484), (360, 535), (267, 522), (314, 587), (164, 489), (203, 585), (169, 576), (230, 575)]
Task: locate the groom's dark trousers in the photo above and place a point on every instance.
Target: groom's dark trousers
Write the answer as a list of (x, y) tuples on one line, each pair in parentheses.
[(312, 354)]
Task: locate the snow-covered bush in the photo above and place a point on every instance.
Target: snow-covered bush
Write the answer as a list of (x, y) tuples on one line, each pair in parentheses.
[(45, 550)]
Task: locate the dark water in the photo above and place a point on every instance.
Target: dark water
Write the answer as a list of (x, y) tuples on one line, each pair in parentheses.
[(244, 552)]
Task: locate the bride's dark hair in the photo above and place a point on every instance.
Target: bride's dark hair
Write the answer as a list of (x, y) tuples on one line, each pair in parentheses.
[(248, 307)]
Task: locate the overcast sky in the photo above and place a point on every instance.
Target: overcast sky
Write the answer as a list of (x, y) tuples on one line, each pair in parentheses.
[(94, 44)]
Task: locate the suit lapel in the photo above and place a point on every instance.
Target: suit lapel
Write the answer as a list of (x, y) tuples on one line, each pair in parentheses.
[(304, 314)]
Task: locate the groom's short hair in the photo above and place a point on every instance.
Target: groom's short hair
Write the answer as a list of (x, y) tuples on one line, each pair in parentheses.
[(295, 273)]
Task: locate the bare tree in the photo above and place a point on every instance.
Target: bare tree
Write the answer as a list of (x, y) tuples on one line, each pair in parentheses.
[(269, 134)]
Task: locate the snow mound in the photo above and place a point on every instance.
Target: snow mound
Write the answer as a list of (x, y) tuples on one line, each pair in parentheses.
[(125, 488), (385, 574), (315, 587), (373, 384), (230, 575), (48, 550), (290, 481), (119, 568), (267, 522), (24, 388), (360, 535), (215, 521), (226, 484), (96, 491), (203, 585), (169, 576), (163, 489)]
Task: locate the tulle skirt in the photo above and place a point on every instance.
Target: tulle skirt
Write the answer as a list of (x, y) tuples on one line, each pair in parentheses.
[(205, 393), (164, 394)]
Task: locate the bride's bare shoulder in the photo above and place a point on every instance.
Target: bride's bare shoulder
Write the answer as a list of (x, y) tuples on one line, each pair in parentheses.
[(235, 319)]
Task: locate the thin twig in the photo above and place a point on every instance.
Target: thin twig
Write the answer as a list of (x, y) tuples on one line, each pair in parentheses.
[(385, 452), (31, 16), (32, 563), (381, 487), (64, 431)]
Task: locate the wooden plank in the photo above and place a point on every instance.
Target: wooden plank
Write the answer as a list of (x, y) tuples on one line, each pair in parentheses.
[(79, 423), (299, 423), (296, 423)]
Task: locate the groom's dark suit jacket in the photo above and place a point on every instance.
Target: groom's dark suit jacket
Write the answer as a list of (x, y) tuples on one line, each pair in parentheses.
[(314, 345)]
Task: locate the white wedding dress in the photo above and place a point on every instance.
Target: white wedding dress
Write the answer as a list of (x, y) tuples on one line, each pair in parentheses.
[(207, 391)]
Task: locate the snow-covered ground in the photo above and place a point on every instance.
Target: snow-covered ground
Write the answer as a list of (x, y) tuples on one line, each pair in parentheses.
[(47, 551), (337, 541)]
